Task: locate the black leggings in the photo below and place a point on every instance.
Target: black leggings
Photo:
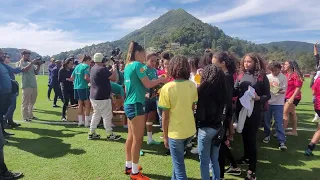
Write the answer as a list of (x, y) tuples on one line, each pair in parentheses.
[(224, 153), (57, 94), (68, 96), (249, 136), (49, 91)]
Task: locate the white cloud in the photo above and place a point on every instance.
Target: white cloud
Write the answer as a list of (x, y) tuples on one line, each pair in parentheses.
[(43, 41), (184, 1), (132, 23)]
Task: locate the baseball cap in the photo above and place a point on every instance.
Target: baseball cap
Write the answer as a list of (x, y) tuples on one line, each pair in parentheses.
[(97, 57)]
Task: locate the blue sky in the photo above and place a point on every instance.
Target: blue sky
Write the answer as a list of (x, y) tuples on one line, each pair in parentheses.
[(52, 26)]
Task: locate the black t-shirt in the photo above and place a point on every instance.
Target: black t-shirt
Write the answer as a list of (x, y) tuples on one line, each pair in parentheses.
[(62, 77), (100, 84)]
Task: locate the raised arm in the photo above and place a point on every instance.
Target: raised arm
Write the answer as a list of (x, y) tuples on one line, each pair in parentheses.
[(316, 54)]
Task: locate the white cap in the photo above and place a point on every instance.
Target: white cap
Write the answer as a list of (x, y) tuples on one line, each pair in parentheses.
[(97, 57)]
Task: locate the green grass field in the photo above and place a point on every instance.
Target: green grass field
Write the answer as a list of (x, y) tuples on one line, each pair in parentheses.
[(46, 151)]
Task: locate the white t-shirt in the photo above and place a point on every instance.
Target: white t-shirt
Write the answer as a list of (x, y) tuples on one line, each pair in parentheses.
[(277, 83)]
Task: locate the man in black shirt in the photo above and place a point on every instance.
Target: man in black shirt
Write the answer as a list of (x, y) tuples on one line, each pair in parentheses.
[(100, 92)]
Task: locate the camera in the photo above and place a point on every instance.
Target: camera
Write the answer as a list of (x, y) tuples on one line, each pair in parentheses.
[(39, 59)]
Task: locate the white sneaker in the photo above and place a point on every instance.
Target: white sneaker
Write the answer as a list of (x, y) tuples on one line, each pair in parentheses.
[(125, 126), (112, 125), (316, 118), (194, 150)]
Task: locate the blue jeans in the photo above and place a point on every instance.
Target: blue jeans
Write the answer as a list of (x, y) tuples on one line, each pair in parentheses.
[(177, 147), (277, 112), (12, 107), (159, 111), (208, 152)]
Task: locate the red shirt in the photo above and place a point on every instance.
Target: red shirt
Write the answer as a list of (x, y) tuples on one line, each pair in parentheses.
[(162, 72), (316, 90), (294, 81)]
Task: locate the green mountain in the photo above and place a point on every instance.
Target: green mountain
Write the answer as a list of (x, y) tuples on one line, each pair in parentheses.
[(15, 54), (179, 27), (291, 47)]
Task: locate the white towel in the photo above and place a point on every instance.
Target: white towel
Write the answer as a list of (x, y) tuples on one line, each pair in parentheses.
[(247, 102)]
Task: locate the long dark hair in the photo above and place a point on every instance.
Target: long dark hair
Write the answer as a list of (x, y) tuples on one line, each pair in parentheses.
[(86, 58), (294, 66), (212, 83), (206, 59), (259, 70), (229, 59), (133, 47), (66, 62)]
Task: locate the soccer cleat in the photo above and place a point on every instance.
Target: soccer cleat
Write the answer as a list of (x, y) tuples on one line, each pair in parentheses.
[(266, 139), (127, 170), (141, 153), (114, 137), (282, 147), (233, 171), (94, 136), (139, 176), (308, 152)]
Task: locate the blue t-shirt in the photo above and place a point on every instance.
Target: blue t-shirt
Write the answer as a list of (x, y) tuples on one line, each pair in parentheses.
[(5, 80)]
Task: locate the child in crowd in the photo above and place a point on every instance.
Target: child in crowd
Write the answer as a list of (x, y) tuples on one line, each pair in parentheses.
[(151, 99), (278, 87), (165, 58), (213, 97), (227, 62), (316, 137), (252, 73), (81, 78), (177, 99), (293, 95)]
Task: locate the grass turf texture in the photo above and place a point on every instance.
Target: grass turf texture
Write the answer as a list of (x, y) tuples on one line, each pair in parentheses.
[(47, 151)]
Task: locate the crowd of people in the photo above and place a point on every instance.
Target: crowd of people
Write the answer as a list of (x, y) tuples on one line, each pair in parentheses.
[(199, 102)]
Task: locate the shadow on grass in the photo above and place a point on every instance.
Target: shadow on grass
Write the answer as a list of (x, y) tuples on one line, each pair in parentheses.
[(48, 112), (51, 133), (46, 147), (272, 163)]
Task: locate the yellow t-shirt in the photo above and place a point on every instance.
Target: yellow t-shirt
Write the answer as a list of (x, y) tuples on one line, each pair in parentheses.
[(178, 97)]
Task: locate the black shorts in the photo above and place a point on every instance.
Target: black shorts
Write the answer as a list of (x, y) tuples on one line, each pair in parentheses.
[(295, 101), (318, 112), (150, 105)]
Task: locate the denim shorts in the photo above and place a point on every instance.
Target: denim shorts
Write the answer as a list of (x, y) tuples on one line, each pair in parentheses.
[(133, 110), (81, 94), (150, 106)]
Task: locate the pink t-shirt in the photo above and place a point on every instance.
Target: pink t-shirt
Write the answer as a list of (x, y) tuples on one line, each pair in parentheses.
[(294, 81), (316, 90)]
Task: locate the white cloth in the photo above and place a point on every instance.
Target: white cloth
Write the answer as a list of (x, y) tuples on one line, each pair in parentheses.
[(101, 108), (247, 102), (316, 76)]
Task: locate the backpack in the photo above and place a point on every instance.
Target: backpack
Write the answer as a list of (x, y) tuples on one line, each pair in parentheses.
[(265, 106)]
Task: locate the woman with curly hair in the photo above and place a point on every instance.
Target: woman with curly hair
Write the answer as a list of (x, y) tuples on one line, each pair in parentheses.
[(136, 81), (227, 62), (252, 73), (178, 99), (293, 95), (213, 98)]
